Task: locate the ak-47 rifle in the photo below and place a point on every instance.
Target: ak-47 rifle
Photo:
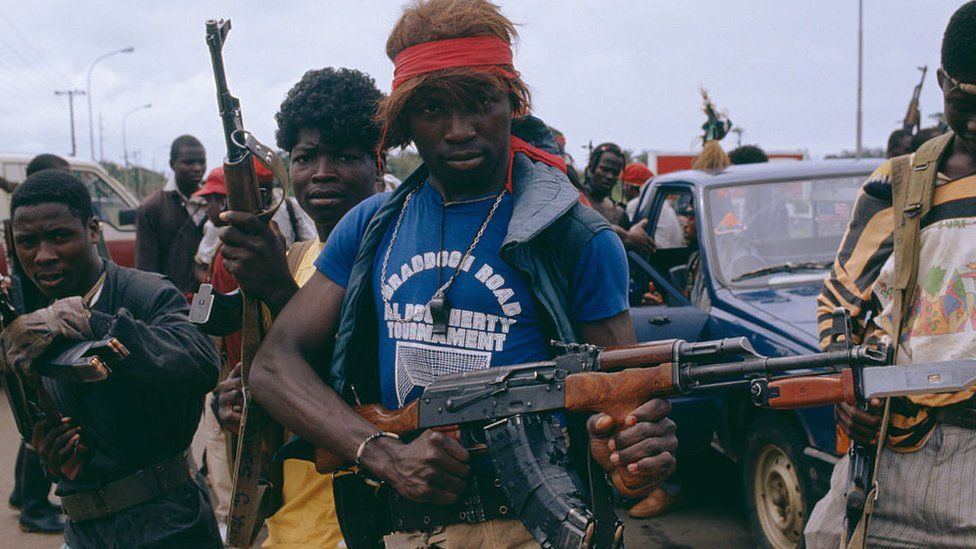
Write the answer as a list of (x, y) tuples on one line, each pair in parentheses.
[(497, 408), (78, 362), (494, 408), (257, 485), (913, 117)]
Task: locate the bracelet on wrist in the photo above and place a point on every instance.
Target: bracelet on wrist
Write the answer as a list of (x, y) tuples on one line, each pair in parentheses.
[(363, 471)]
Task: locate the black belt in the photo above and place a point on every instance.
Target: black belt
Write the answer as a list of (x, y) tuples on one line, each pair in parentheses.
[(962, 414), (143, 486), (484, 500)]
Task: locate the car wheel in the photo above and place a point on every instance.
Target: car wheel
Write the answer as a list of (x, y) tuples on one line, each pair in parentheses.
[(777, 490)]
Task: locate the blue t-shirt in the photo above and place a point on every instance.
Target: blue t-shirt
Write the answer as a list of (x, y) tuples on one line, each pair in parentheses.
[(493, 316)]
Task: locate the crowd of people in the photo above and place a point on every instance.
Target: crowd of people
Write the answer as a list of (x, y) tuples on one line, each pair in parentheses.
[(491, 249)]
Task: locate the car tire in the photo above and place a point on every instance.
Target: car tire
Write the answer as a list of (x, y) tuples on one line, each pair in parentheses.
[(778, 492)]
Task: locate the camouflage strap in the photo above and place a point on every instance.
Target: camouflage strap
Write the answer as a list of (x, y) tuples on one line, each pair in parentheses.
[(913, 180)]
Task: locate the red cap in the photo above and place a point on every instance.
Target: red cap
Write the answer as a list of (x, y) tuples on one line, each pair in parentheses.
[(215, 183), (264, 174), (636, 174)]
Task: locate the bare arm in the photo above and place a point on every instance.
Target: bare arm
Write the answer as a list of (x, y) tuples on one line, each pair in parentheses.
[(433, 468), (616, 330), (284, 382)]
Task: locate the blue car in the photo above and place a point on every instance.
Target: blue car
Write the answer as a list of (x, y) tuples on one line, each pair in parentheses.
[(743, 252)]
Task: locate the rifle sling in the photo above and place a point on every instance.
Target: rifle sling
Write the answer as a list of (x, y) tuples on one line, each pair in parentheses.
[(913, 180)]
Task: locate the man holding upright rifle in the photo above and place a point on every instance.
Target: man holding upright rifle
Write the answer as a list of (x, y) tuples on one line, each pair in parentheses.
[(115, 435), (905, 271)]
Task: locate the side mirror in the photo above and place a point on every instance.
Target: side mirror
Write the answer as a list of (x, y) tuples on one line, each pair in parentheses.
[(127, 217)]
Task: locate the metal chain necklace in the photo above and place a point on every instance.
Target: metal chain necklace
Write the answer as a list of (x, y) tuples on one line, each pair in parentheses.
[(437, 304)]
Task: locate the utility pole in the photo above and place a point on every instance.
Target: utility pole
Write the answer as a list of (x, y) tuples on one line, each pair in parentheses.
[(71, 114), (101, 138), (860, 62)]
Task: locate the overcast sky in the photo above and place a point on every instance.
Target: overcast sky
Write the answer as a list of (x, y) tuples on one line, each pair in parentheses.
[(626, 71)]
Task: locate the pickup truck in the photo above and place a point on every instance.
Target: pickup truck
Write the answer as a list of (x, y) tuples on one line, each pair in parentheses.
[(114, 204), (743, 252)]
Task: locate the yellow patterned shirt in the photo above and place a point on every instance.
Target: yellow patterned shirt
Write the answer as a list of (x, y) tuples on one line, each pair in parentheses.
[(941, 324)]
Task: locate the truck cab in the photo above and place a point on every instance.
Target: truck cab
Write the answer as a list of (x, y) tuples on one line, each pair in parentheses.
[(743, 252), (114, 204)]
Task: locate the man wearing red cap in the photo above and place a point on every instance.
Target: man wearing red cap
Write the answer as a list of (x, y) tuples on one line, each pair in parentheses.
[(633, 177), (451, 273)]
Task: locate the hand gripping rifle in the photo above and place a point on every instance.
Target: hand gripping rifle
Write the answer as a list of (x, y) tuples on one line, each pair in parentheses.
[(257, 486), (857, 384), (73, 362), (496, 409), (913, 117)]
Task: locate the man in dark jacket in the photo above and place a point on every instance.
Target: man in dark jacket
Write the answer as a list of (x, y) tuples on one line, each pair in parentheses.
[(132, 430), (169, 224), (456, 270)]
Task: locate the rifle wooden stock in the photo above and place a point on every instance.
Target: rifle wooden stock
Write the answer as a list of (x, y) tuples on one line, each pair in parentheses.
[(617, 394), (243, 190), (809, 391), (637, 356), (400, 421)]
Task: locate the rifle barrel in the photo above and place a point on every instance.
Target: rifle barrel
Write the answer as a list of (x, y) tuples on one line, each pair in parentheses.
[(693, 374)]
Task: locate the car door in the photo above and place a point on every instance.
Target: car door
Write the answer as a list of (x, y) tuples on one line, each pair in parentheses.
[(660, 308)]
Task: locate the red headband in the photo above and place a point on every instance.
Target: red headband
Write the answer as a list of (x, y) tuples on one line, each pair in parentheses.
[(480, 52)]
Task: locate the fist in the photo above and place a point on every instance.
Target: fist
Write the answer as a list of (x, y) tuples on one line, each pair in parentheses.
[(230, 400), (29, 336), (640, 455), (431, 469), (860, 425), (60, 446)]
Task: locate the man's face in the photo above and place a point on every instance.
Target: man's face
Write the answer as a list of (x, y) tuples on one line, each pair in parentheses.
[(606, 172), (631, 191), (328, 178), (56, 248), (461, 144), (904, 146), (189, 165), (960, 112)]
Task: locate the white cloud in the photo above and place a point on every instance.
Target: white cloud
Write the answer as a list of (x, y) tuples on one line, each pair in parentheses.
[(627, 71)]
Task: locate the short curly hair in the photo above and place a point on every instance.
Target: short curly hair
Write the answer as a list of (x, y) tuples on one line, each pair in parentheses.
[(338, 103), (959, 44)]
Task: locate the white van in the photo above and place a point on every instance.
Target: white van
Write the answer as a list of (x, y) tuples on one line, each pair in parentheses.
[(114, 204)]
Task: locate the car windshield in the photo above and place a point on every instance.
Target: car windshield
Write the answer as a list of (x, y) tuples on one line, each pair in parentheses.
[(780, 232), (106, 202)]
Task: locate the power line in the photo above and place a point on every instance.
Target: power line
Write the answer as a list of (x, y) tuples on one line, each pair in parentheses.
[(26, 42), (27, 63), (26, 76)]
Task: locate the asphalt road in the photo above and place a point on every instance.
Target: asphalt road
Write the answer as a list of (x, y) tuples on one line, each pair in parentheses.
[(712, 513)]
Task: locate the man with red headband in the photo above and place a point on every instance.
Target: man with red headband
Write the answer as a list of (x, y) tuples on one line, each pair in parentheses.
[(477, 260)]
